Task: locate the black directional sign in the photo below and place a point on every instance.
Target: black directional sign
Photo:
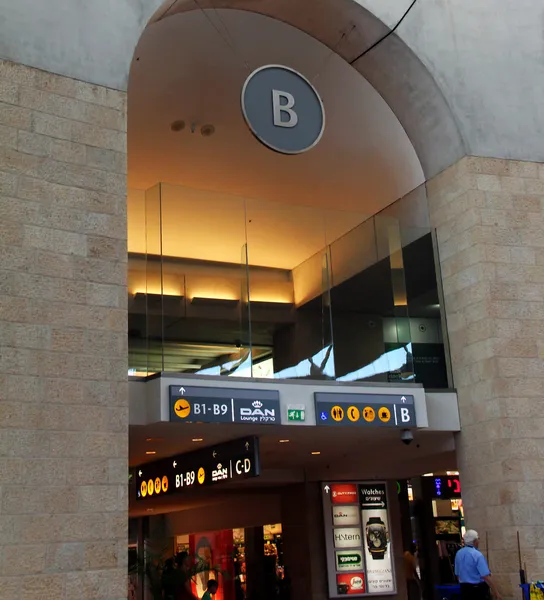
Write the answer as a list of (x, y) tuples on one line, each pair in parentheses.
[(364, 410), (192, 404), (223, 463)]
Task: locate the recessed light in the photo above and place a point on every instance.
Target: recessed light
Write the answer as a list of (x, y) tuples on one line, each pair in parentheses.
[(197, 440), (315, 453), (149, 509), (177, 126), (207, 130), (284, 441), (151, 452)]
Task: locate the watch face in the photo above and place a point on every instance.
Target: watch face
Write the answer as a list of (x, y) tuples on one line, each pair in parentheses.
[(376, 537)]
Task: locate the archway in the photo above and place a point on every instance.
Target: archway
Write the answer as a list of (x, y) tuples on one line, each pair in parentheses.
[(394, 71)]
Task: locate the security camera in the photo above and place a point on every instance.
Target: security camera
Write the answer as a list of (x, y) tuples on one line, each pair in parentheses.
[(406, 437)]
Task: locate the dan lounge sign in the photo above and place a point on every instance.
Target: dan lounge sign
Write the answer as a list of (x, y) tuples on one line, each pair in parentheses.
[(199, 404)]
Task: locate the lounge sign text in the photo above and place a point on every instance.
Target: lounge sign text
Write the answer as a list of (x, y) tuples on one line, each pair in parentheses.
[(192, 404)]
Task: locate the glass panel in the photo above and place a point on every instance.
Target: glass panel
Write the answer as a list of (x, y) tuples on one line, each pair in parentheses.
[(289, 275), (146, 302), (396, 324), (205, 331), (423, 290)]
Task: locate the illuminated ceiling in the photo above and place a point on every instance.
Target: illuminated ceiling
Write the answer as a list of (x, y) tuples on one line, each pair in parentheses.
[(185, 70)]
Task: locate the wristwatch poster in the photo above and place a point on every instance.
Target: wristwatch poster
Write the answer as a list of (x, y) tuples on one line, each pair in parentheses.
[(359, 544), (376, 538)]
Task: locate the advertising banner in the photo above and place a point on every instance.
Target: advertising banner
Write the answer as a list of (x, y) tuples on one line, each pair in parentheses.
[(379, 570), (359, 552)]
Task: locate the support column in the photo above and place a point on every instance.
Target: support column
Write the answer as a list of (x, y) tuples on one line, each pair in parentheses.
[(489, 220), (63, 336), (304, 541)]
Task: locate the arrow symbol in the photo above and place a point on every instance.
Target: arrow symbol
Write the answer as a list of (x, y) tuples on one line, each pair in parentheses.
[(374, 504), (174, 464), (182, 390), (403, 399), (214, 453), (327, 489), (140, 473), (247, 446)]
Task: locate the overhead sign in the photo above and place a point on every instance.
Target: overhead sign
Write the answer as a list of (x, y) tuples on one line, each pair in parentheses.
[(282, 109), (446, 488), (226, 462), (192, 404), (363, 410), (359, 552)]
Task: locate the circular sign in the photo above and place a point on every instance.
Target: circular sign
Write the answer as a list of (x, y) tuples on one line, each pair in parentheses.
[(165, 484), (384, 414), (368, 414), (143, 489), (157, 485), (150, 487), (201, 475), (337, 413), (182, 408), (353, 414), (282, 109)]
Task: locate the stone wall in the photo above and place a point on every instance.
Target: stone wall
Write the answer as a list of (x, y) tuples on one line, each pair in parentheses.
[(489, 217), (63, 338)]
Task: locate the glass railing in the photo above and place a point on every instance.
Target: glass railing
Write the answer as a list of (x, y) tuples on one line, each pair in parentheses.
[(228, 286)]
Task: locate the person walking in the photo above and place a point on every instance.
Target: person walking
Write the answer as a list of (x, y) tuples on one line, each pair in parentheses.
[(473, 572)]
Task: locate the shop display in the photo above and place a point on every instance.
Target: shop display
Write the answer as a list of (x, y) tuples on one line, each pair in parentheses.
[(359, 553)]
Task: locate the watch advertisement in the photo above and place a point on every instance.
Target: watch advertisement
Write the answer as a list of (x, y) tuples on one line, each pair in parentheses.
[(359, 553), (377, 543)]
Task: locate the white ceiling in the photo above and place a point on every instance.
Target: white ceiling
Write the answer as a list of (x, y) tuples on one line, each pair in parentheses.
[(184, 69)]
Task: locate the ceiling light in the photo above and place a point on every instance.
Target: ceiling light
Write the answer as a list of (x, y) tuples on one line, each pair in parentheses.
[(207, 130), (315, 453), (197, 440), (151, 452), (283, 441), (177, 126)]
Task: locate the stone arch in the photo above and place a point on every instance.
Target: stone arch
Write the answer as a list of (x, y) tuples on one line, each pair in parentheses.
[(392, 68)]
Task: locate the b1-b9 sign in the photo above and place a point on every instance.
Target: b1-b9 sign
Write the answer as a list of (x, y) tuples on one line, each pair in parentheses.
[(359, 552)]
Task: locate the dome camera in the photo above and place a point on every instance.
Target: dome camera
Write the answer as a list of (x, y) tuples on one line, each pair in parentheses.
[(406, 437)]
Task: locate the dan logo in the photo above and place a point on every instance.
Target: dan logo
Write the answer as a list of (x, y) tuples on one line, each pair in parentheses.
[(346, 515), (257, 413)]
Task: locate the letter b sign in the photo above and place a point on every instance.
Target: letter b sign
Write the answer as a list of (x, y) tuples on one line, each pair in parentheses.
[(287, 108), (282, 109)]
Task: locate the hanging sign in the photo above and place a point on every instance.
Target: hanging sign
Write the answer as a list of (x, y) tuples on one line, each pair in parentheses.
[(282, 109)]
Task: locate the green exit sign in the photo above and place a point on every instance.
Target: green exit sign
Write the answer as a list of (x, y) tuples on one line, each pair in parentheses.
[(296, 413)]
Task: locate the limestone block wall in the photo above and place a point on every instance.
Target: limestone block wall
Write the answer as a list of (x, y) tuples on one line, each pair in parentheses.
[(489, 218), (63, 338)]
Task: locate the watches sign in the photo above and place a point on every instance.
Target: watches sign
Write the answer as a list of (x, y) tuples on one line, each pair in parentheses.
[(359, 553)]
